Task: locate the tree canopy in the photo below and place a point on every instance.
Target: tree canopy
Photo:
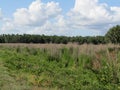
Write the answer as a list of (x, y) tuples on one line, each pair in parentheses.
[(27, 38), (113, 35)]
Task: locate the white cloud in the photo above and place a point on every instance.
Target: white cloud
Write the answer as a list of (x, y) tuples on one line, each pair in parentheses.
[(92, 10), (56, 27), (87, 18), (8, 25), (93, 16), (37, 13)]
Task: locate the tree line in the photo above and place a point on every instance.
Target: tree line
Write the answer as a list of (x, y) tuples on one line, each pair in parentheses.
[(112, 36), (27, 38)]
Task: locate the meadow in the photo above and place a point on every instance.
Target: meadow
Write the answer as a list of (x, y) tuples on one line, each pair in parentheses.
[(59, 67)]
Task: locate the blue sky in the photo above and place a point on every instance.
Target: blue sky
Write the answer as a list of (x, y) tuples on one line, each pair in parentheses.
[(64, 17), (111, 2), (9, 7)]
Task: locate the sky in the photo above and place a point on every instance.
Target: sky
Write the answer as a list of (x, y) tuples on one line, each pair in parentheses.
[(59, 17)]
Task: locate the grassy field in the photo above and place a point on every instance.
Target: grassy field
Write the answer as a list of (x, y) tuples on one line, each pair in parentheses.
[(59, 67)]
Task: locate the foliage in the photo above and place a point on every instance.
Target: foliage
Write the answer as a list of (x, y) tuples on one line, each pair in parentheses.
[(63, 68), (26, 38), (113, 35)]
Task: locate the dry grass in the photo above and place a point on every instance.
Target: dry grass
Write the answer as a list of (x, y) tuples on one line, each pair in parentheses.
[(52, 45), (85, 48)]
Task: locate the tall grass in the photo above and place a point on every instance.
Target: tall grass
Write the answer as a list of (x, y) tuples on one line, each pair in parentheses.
[(64, 67)]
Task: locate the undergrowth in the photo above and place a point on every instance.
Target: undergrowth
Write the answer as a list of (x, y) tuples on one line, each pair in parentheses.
[(63, 68)]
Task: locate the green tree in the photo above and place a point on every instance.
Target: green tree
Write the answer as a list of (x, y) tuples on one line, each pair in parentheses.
[(113, 35)]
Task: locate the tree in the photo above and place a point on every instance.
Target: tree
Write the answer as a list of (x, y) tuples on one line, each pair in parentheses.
[(113, 35)]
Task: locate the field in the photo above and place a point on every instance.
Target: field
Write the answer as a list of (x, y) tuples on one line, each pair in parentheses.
[(59, 67)]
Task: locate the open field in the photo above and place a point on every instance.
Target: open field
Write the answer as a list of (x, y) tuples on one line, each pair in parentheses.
[(59, 67)]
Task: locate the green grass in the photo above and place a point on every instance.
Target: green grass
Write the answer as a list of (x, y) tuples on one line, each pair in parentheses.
[(63, 68), (7, 82)]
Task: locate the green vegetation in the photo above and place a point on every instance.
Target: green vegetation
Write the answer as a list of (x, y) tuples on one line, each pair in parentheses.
[(69, 63), (59, 67), (26, 38), (113, 35)]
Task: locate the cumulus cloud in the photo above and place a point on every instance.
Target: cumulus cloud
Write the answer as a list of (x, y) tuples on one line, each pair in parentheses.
[(86, 18), (8, 24), (56, 27), (37, 13), (94, 16), (91, 10)]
